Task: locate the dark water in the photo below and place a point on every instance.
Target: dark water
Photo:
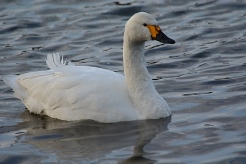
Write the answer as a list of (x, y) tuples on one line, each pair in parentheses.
[(202, 77)]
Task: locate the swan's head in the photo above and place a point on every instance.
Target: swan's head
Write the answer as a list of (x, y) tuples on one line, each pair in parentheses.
[(142, 27)]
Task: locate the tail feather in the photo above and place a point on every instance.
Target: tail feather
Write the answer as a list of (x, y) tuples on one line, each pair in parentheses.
[(56, 63), (11, 81)]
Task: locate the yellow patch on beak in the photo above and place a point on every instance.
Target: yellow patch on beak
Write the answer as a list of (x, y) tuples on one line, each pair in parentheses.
[(154, 30)]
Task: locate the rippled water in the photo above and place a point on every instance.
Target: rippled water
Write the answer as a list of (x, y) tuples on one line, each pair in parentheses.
[(202, 77)]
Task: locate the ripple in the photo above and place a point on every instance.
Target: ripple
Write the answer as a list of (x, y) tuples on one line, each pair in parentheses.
[(202, 77)]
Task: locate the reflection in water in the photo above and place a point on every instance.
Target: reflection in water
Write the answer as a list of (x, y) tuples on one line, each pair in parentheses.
[(90, 141), (202, 77)]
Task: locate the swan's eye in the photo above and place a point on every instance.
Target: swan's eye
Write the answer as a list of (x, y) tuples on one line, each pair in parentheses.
[(145, 24)]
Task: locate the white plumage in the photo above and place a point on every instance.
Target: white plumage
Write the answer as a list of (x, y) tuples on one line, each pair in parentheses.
[(70, 92)]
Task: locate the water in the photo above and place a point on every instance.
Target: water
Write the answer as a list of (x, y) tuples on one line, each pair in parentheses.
[(202, 77)]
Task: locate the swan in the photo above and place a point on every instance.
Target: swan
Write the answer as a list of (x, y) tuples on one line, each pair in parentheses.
[(68, 92)]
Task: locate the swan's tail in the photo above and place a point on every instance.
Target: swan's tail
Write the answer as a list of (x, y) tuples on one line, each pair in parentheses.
[(11, 81), (56, 63)]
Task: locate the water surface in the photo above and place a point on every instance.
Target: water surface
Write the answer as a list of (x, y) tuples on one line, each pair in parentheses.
[(202, 77)]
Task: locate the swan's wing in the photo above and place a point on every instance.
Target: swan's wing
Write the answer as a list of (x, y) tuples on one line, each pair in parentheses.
[(75, 92)]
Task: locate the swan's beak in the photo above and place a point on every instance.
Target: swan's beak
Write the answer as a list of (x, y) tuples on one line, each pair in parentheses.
[(157, 34)]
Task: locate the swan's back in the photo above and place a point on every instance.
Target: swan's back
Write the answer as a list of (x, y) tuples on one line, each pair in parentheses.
[(69, 92)]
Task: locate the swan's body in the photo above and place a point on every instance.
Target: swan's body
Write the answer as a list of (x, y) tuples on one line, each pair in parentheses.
[(69, 92)]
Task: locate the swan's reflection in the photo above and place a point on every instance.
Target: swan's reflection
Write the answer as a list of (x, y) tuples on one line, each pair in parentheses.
[(90, 141)]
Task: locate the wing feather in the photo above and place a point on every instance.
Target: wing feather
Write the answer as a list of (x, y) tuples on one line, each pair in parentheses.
[(71, 92)]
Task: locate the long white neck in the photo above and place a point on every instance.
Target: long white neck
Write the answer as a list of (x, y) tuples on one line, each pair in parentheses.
[(137, 75), (139, 83)]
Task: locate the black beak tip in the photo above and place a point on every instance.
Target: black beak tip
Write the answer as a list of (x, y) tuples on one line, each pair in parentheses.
[(164, 39), (171, 41)]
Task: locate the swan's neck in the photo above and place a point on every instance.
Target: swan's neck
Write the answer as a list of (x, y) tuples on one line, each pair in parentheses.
[(139, 83), (137, 75)]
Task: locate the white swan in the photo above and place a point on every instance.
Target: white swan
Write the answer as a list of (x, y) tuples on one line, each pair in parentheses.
[(69, 92)]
